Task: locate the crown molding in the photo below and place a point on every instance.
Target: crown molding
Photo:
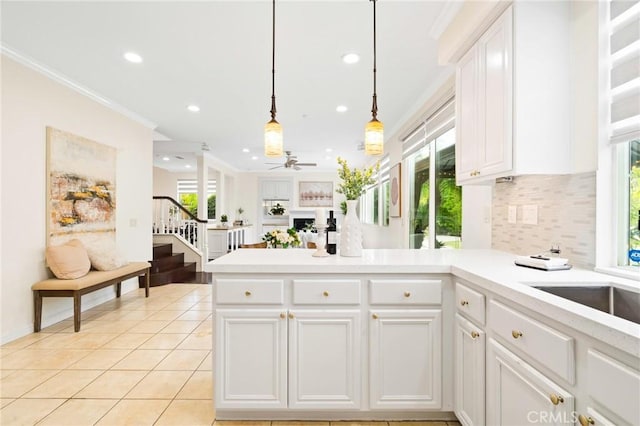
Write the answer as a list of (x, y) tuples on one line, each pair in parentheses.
[(65, 81)]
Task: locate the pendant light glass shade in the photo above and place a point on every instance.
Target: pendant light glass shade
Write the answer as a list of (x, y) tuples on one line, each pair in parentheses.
[(273, 139), (374, 138)]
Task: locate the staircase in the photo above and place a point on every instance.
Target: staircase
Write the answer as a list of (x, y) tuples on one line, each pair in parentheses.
[(168, 267)]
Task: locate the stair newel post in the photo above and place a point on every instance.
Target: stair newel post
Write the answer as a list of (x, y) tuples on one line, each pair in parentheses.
[(203, 245)]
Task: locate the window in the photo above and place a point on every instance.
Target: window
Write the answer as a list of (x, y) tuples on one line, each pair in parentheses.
[(435, 201), (375, 201), (188, 196), (623, 56)]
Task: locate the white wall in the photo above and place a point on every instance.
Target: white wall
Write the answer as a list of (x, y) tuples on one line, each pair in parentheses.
[(30, 103)]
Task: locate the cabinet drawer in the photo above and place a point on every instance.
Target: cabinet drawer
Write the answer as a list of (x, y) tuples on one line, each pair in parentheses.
[(405, 292), (614, 385), (543, 344), (330, 292), (470, 303), (249, 292)]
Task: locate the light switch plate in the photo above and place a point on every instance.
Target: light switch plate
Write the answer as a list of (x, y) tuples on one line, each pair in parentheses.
[(512, 214), (530, 214)]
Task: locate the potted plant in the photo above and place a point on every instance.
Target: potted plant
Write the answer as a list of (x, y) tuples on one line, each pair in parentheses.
[(277, 210), (282, 239), (354, 182), (224, 219)]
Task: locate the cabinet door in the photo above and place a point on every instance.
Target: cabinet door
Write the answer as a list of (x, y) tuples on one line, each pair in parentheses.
[(518, 394), (495, 94), (251, 358), (324, 359), (405, 359), (217, 242), (283, 190), (269, 191), (467, 135), (469, 373)]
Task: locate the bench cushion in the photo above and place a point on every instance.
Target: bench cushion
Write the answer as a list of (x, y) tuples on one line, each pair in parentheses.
[(92, 278)]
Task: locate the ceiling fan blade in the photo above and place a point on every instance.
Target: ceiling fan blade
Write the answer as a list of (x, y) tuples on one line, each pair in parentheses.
[(306, 164), (276, 167), (274, 163)]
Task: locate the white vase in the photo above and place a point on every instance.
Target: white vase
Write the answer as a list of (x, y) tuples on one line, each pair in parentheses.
[(351, 232)]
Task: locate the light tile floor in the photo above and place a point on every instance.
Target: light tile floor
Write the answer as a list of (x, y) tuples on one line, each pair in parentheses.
[(136, 361)]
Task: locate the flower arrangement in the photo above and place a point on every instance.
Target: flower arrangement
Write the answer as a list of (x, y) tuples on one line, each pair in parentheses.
[(277, 210), (280, 238), (354, 180)]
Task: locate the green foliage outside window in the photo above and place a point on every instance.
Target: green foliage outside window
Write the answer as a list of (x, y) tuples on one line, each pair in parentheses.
[(190, 202)]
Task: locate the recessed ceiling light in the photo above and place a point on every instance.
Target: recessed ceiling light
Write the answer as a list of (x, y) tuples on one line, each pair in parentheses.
[(166, 158), (133, 57), (245, 149), (188, 166), (193, 108), (341, 108), (350, 58), (255, 157)]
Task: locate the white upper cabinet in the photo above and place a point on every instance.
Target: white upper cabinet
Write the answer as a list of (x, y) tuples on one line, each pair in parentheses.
[(276, 189), (513, 96)]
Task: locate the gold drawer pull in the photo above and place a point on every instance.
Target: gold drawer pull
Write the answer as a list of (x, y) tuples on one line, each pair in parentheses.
[(283, 315), (516, 334), (374, 316), (475, 334), (464, 302), (585, 421), (291, 315), (325, 293), (407, 294), (247, 293), (556, 399)]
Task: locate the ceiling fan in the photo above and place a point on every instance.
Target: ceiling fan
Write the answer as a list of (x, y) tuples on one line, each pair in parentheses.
[(291, 163)]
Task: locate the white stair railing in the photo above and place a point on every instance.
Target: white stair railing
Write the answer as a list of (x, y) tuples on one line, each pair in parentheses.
[(169, 217)]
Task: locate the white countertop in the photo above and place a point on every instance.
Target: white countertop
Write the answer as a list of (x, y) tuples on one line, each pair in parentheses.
[(491, 269)]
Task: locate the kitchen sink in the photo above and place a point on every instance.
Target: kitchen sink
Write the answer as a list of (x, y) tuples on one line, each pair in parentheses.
[(606, 298)]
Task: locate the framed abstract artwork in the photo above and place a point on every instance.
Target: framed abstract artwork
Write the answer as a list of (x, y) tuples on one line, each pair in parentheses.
[(395, 195), (81, 189), (315, 194)]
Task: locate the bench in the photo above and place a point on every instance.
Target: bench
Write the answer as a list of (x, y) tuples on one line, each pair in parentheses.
[(94, 280)]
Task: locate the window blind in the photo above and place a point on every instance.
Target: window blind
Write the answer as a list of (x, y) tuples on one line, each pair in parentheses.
[(436, 125), (625, 70), (190, 186)]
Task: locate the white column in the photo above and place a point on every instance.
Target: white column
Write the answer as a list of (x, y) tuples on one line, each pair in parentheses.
[(203, 183)]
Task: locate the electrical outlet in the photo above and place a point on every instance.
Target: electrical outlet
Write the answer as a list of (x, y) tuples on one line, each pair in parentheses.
[(512, 214), (530, 214)]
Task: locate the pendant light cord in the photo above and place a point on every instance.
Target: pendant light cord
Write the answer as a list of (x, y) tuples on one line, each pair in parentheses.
[(273, 62), (374, 107)]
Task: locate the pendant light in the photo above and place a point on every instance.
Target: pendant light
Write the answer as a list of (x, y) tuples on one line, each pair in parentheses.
[(273, 130), (374, 131)]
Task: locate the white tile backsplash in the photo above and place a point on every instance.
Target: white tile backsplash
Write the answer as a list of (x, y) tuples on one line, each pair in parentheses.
[(566, 216)]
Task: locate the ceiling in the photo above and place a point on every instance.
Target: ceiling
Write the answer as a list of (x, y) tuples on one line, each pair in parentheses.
[(217, 55)]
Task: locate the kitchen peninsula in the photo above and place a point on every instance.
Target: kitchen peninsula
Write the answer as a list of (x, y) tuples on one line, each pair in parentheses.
[(415, 334)]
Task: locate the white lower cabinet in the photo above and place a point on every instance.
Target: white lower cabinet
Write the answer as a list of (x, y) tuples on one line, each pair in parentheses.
[(324, 359), (518, 394), (405, 359), (469, 390), (251, 358)]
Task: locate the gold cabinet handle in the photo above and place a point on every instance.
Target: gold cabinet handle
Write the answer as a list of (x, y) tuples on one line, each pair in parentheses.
[(585, 421), (374, 316), (247, 293), (464, 302), (516, 334), (325, 293), (291, 315), (283, 315), (407, 294), (475, 334), (556, 399)]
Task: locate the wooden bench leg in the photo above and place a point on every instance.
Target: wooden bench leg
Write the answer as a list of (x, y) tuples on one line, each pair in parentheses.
[(146, 283), (77, 311), (37, 311), (118, 288)]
